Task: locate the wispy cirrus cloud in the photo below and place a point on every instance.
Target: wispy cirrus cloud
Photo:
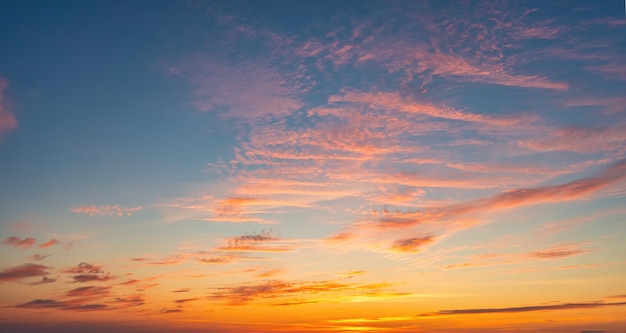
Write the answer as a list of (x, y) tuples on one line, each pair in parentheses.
[(394, 101), (246, 89), (513, 198), (19, 242), (418, 46), (582, 140), (261, 242), (379, 227), (559, 251), (94, 210)]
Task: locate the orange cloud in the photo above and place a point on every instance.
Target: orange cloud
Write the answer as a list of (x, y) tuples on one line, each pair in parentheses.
[(184, 290), (442, 52), (129, 282), (215, 260), (278, 289), (373, 231), (412, 244), (88, 298), (269, 273), (48, 243), (514, 198), (89, 292), (105, 210)]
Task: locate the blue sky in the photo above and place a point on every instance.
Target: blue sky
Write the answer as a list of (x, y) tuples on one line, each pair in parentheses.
[(366, 165)]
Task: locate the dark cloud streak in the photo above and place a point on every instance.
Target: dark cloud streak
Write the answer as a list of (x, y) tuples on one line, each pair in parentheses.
[(565, 306)]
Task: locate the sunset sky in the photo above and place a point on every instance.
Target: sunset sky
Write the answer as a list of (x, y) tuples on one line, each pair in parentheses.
[(312, 166)]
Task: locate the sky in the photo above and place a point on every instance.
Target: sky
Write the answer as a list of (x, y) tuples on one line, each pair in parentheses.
[(312, 166)]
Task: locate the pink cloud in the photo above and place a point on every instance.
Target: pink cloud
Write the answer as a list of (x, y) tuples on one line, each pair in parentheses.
[(462, 69), (514, 198), (7, 120), (608, 105), (48, 243), (393, 101), (246, 90), (269, 273), (583, 140), (83, 268), (94, 210), (17, 242), (444, 52), (612, 70), (23, 272), (375, 231)]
